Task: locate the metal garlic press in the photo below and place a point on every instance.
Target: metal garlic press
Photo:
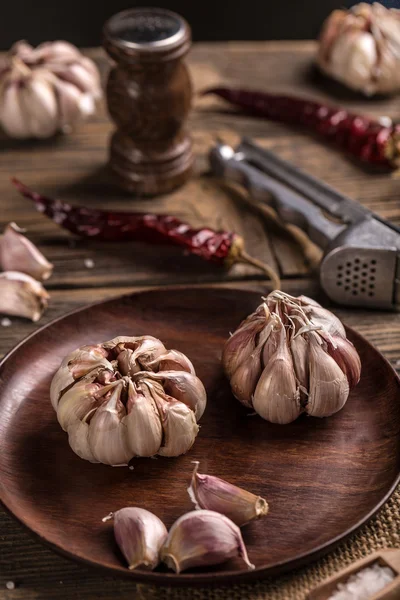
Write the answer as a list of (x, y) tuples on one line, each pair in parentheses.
[(361, 251)]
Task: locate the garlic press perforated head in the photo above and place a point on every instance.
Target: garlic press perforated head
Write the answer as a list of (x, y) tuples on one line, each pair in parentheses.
[(361, 251)]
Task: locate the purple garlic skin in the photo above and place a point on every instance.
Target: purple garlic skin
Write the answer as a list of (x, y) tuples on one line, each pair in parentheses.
[(115, 403), (291, 356), (360, 47)]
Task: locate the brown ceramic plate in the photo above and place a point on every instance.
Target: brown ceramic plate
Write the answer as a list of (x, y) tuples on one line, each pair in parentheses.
[(323, 478)]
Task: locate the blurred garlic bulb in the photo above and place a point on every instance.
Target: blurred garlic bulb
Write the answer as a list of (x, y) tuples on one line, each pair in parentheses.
[(17, 253), (115, 403), (291, 356), (46, 89), (360, 47)]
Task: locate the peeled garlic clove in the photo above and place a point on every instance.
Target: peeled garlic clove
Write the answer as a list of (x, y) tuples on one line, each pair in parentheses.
[(17, 253), (143, 423), (212, 493), (329, 388), (277, 397), (203, 538), (346, 356), (240, 345), (185, 387), (140, 536), (107, 435), (245, 378), (22, 296), (172, 360), (179, 426)]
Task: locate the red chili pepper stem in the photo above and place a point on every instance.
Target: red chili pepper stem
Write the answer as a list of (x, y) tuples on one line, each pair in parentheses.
[(371, 141), (222, 247)]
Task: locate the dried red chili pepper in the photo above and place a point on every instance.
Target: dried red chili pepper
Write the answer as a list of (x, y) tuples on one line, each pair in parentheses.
[(371, 141), (222, 247)]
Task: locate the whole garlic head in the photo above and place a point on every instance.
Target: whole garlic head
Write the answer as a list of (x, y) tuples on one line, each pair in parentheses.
[(291, 356), (360, 47), (115, 401), (46, 89)]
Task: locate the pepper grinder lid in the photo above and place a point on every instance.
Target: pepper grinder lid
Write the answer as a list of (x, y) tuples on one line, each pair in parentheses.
[(146, 34)]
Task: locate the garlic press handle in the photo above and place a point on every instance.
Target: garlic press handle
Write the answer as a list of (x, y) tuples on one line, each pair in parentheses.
[(290, 207)]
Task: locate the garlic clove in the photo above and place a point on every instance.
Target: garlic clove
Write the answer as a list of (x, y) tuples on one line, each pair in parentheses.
[(240, 345), (277, 397), (80, 77), (245, 378), (40, 106), (185, 387), (76, 365), (72, 106), (173, 360), (143, 423), (13, 118), (325, 319), (78, 439), (179, 425), (107, 434), (212, 493), (203, 538), (22, 296), (140, 536), (346, 356), (299, 350), (78, 400), (329, 388), (17, 253)]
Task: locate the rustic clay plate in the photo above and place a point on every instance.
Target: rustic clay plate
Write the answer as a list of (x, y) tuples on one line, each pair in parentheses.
[(323, 478)]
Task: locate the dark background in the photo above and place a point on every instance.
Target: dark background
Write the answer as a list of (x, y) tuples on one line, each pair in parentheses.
[(80, 21)]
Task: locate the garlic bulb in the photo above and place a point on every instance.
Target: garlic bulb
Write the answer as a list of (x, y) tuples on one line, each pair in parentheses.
[(203, 538), (140, 536), (212, 493), (17, 253), (46, 89), (115, 401), (291, 356), (360, 47)]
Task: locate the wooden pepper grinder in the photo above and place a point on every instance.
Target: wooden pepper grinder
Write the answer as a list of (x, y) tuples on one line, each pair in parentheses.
[(149, 94)]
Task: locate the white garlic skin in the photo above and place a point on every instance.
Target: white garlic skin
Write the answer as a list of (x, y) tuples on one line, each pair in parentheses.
[(46, 89), (299, 360), (114, 407), (22, 296), (360, 47)]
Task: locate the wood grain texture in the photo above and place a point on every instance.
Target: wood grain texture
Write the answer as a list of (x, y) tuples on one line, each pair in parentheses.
[(72, 167), (341, 468)]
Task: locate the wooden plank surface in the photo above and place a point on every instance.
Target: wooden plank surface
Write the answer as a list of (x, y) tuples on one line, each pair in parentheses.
[(73, 169)]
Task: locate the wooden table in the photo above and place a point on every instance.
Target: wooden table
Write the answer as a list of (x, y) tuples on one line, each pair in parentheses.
[(73, 169)]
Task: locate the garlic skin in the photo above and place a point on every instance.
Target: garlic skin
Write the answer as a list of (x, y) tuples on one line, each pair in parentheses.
[(22, 296), (360, 47), (212, 493), (17, 253), (140, 536), (114, 407), (46, 89), (298, 360), (203, 538)]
